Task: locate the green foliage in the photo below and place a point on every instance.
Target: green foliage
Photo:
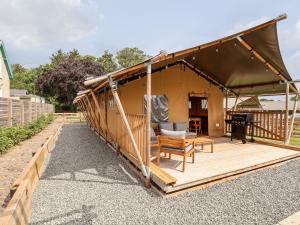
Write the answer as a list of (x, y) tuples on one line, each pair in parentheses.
[(108, 62), (10, 136), (25, 79), (63, 77), (130, 56), (18, 68)]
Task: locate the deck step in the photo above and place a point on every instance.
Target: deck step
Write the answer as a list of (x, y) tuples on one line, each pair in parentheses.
[(163, 176)]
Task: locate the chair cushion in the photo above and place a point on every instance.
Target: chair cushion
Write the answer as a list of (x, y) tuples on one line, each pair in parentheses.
[(180, 126), (166, 126), (170, 133), (187, 148)]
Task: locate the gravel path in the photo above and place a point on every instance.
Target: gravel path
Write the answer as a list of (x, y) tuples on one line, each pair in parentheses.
[(85, 183)]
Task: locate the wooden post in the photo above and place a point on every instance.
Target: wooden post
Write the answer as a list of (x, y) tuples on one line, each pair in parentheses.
[(286, 121), (148, 124), (10, 112), (113, 87), (293, 119)]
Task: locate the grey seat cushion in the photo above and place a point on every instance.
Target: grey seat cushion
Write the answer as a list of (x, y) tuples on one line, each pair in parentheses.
[(166, 126), (187, 148), (171, 133), (152, 132), (181, 126)]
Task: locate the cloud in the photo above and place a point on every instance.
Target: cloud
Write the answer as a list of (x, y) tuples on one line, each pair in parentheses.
[(38, 23)]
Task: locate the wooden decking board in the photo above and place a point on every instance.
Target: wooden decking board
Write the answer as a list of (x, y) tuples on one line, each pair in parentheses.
[(229, 159), (166, 178)]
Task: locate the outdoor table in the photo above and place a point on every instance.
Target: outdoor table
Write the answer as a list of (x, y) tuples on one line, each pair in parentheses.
[(201, 141)]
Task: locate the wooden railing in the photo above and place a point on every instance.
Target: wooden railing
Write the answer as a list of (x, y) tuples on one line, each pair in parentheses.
[(70, 117), (138, 126), (270, 123), (107, 122), (120, 138)]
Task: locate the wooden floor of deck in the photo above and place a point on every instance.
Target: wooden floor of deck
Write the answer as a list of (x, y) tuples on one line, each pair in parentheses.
[(229, 158)]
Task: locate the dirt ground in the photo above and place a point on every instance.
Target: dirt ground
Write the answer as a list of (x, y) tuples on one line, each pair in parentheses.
[(13, 162)]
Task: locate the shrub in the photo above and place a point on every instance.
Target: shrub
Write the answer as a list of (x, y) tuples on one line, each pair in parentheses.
[(10, 136)]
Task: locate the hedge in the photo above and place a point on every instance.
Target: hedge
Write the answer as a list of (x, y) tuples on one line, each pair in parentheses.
[(10, 136)]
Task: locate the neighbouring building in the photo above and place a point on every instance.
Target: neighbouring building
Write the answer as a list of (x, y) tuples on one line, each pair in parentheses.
[(6, 73)]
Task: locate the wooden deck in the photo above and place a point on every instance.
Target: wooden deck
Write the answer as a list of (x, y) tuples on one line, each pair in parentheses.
[(229, 158)]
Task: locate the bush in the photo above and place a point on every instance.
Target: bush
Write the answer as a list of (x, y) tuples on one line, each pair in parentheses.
[(10, 136)]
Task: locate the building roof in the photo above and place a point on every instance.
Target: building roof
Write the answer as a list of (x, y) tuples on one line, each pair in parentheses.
[(6, 61), (247, 63), (18, 92)]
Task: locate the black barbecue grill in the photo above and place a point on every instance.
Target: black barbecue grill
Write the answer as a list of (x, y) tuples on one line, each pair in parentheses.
[(239, 125)]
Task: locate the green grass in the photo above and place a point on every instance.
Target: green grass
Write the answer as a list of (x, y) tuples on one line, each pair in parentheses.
[(11, 136), (295, 141)]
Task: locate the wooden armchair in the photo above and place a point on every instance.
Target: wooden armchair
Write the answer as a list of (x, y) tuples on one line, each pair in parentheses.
[(176, 146)]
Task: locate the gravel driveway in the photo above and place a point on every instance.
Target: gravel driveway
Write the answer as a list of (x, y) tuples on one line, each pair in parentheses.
[(85, 183)]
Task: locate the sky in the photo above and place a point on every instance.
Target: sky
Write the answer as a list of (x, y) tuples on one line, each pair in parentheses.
[(34, 29)]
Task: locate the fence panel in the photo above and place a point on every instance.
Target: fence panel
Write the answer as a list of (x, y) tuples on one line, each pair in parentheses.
[(14, 112)]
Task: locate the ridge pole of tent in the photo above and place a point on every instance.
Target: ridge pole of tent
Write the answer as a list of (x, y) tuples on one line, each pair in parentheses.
[(114, 89), (293, 118), (148, 122), (286, 121)]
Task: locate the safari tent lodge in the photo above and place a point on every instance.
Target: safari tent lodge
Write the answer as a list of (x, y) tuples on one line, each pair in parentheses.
[(165, 117)]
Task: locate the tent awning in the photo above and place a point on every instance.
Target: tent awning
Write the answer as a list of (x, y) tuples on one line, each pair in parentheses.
[(247, 63)]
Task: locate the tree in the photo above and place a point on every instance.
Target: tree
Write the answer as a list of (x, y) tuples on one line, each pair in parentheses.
[(108, 62), (63, 81), (130, 56), (18, 68), (25, 79)]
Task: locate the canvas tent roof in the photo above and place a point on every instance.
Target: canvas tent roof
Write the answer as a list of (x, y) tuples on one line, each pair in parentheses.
[(247, 63)]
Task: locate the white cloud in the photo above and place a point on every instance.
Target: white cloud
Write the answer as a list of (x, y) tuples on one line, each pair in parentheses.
[(34, 23)]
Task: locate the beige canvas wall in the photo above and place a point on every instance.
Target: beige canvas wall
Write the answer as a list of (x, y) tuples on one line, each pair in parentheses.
[(176, 82), (4, 79)]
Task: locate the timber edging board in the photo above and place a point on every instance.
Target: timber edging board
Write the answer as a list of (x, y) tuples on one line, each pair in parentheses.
[(18, 210)]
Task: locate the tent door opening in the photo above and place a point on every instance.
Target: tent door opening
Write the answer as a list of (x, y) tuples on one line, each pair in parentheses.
[(198, 114)]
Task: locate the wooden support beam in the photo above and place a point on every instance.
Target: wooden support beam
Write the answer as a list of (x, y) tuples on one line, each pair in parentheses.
[(99, 113), (113, 87), (93, 117), (148, 123), (84, 101), (293, 118), (286, 119), (85, 113)]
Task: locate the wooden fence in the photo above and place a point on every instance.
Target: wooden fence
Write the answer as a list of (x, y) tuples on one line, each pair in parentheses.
[(14, 112), (270, 123)]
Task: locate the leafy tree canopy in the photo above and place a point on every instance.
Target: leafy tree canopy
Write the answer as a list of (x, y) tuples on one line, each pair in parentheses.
[(63, 77), (108, 62), (130, 56), (64, 80)]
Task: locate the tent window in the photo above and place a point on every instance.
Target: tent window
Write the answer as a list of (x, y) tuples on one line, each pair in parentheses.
[(160, 108)]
